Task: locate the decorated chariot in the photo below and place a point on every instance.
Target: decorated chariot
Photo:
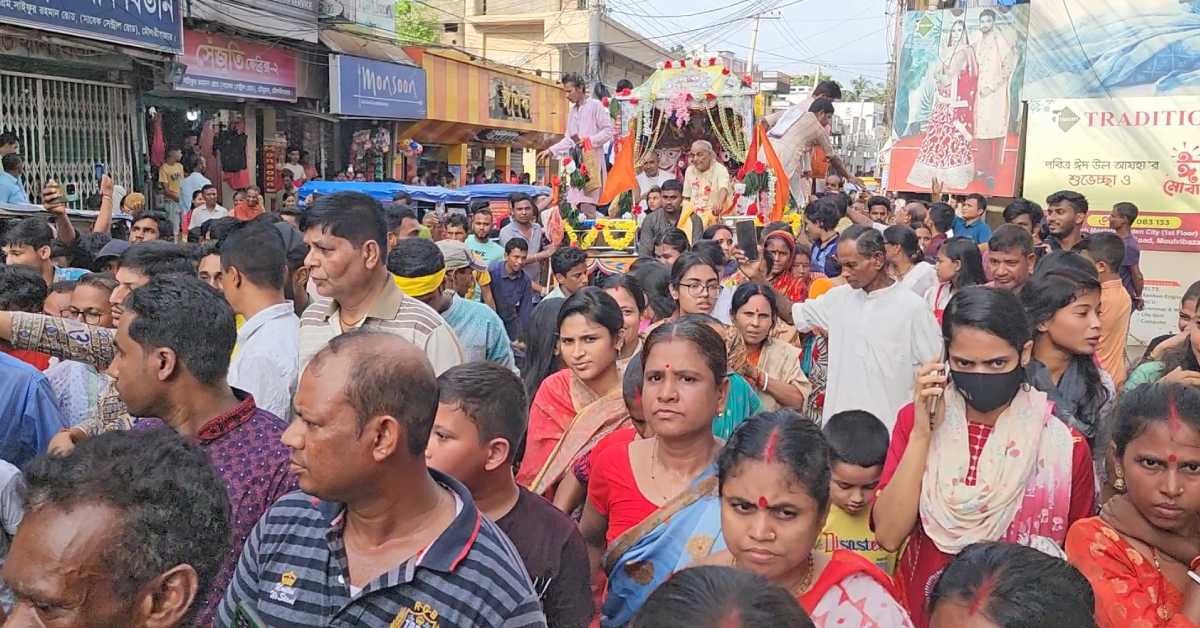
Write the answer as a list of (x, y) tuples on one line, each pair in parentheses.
[(685, 100)]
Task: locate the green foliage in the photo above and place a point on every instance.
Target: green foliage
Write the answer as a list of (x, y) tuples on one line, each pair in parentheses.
[(414, 24), (862, 89)]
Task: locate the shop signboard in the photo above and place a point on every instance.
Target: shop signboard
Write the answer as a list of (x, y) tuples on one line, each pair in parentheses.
[(230, 66), (1142, 150), (153, 24), (367, 88), (958, 100), (509, 100)]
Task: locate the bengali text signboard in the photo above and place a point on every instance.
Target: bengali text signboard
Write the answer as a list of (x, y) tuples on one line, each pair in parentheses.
[(220, 64), (1143, 150), (153, 24)]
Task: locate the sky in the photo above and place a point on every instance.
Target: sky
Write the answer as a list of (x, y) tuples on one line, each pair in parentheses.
[(847, 37)]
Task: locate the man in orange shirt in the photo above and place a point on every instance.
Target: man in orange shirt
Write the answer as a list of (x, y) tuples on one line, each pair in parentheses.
[(1107, 252)]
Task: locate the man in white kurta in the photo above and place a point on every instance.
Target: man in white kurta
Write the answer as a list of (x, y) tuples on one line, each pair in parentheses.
[(706, 182), (879, 332), (996, 56), (590, 127)]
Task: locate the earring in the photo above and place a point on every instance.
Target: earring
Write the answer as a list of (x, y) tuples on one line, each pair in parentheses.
[(1119, 483)]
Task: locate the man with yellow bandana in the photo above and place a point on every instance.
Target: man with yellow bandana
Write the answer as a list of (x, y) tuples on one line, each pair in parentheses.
[(429, 272)]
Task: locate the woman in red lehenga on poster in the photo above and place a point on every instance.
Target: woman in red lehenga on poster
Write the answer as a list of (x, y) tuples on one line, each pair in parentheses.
[(946, 153)]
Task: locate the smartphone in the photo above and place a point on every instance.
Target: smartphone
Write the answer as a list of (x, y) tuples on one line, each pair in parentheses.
[(934, 400), (245, 617), (99, 171), (747, 239), (72, 192)]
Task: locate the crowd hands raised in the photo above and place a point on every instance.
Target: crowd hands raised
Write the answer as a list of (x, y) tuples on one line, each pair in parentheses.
[(896, 417)]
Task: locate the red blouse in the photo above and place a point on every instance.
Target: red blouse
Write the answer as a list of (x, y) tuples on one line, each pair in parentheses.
[(921, 561), (614, 493)]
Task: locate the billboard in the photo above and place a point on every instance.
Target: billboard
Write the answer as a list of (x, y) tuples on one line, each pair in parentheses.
[(1113, 48), (1142, 150), (958, 100), (223, 64), (155, 25)]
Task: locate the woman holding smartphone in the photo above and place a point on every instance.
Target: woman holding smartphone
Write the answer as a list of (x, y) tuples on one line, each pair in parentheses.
[(978, 455)]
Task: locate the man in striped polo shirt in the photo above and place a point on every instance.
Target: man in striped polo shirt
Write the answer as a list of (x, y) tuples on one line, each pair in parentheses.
[(376, 539), (347, 260)]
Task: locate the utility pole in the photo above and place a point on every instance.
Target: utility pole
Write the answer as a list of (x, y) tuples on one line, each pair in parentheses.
[(595, 10), (753, 45)]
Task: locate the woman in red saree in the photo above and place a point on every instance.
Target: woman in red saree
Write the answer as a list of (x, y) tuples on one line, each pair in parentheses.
[(577, 406), (773, 480), (1143, 551)]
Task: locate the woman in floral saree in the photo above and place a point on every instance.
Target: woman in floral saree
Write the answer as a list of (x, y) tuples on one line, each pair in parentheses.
[(652, 507)]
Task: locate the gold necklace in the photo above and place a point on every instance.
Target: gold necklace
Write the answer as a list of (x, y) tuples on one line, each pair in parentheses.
[(806, 584)]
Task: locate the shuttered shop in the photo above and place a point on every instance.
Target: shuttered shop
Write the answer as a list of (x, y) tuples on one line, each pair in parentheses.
[(67, 126)]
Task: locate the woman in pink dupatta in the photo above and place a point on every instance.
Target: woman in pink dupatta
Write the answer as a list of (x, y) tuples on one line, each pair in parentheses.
[(581, 404), (991, 462)]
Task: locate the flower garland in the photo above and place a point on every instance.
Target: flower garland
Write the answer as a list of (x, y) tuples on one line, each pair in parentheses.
[(677, 108), (610, 227), (570, 217), (577, 175), (640, 150), (756, 180)]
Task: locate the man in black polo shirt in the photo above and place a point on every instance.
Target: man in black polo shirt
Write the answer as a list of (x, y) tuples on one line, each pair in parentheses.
[(375, 539)]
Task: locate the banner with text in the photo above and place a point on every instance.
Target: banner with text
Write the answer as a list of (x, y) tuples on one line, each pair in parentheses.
[(154, 24), (1142, 150), (220, 64)]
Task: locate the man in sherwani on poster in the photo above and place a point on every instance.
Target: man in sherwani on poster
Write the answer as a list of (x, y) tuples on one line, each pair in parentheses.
[(589, 127), (996, 56)]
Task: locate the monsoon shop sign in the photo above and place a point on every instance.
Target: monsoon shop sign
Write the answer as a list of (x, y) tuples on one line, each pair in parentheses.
[(153, 24), (368, 88)]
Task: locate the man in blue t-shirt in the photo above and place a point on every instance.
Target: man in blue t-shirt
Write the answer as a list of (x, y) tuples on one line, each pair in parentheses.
[(972, 223)]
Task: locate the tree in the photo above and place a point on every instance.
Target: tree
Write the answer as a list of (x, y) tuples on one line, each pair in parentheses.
[(414, 24), (862, 89), (806, 80)]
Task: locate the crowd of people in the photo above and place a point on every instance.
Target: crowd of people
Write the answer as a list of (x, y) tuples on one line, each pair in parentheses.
[(353, 415)]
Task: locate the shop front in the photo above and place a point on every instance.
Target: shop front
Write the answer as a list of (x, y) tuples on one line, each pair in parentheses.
[(71, 99), (372, 99), (484, 122), (235, 105)]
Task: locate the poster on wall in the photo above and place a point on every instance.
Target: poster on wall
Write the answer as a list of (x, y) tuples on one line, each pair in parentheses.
[(1113, 48), (958, 100), (1141, 150)]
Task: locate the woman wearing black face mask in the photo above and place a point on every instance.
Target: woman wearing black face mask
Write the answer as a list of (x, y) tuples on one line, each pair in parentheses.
[(978, 455)]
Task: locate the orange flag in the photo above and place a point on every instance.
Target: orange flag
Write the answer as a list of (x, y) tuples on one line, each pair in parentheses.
[(621, 178), (782, 188)]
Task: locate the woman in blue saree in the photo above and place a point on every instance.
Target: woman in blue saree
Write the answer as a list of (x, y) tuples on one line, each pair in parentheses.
[(652, 507)]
